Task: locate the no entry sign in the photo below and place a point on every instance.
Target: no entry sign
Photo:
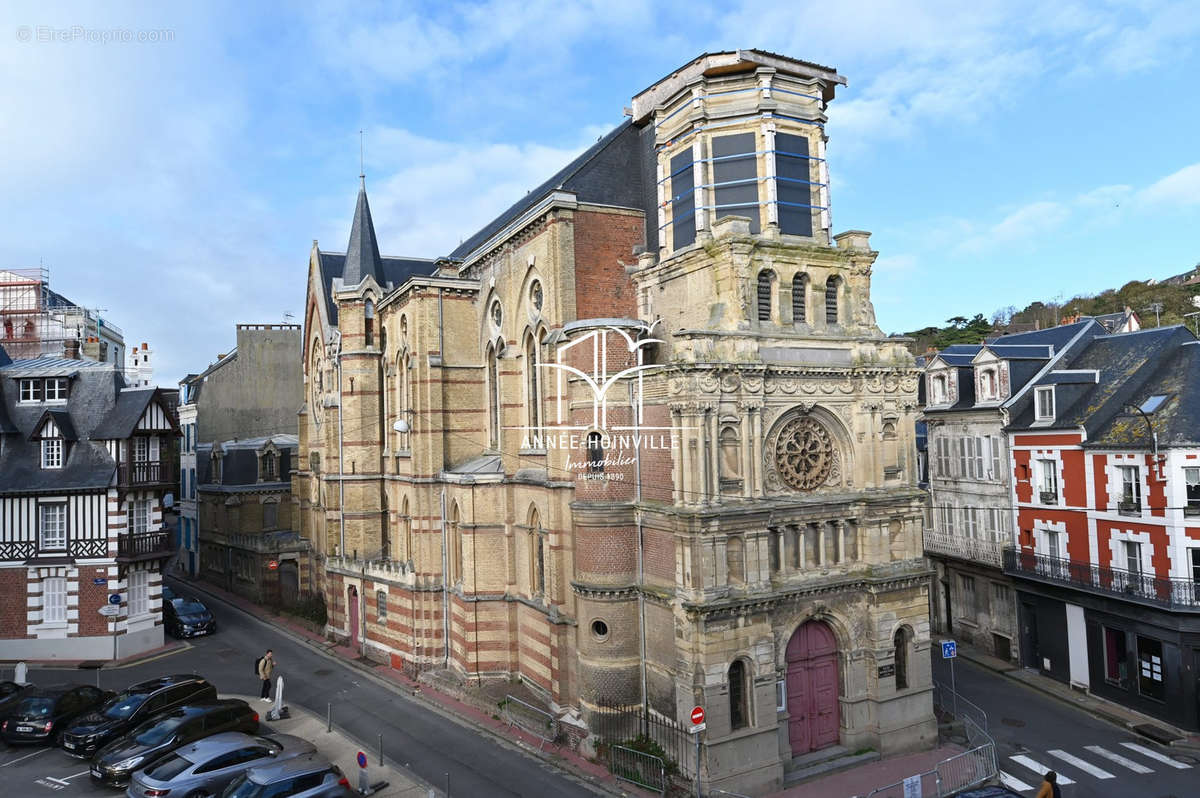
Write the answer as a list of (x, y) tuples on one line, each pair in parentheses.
[(273, 564), (698, 715)]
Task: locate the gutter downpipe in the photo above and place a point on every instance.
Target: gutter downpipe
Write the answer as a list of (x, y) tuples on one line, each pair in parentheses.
[(341, 463), (445, 549), (637, 515)]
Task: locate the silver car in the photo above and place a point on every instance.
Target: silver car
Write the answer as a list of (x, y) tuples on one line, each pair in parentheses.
[(311, 776), (204, 768)]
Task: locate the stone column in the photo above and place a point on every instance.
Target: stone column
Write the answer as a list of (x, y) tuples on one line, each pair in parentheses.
[(677, 472), (822, 555), (714, 452), (747, 432), (756, 448), (841, 540)]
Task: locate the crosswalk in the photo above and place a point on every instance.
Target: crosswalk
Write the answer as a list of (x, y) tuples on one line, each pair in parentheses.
[(1023, 772)]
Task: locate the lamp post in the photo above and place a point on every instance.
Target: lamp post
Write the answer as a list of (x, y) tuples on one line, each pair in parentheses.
[(1131, 408)]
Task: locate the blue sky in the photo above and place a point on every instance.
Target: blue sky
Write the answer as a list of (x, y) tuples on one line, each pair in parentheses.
[(999, 152)]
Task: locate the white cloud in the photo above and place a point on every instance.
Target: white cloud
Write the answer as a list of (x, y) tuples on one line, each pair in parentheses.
[(1179, 188)]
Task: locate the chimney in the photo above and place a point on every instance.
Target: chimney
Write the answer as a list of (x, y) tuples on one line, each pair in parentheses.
[(71, 349)]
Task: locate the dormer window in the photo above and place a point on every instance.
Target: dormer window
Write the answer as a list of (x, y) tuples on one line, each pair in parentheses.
[(988, 387), (215, 471), (1043, 404), (52, 453), (53, 389), (31, 390), (268, 467), (937, 389)]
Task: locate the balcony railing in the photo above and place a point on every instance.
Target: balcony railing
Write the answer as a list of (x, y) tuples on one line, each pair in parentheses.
[(144, 546), (1181, 594), (148, 472), (1048, 496), (961, 547)]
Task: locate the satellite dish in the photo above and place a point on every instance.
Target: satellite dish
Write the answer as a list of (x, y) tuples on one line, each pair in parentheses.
[(400, 425)]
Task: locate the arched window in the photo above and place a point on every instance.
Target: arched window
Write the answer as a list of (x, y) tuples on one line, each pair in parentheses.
[(595, 452), (533, 387), (493, 397), (735, 560), (406, 530), (739, 711), (901, 644), (800, 298), (400, 402), (385, 530), (831, 300), (537, 554), (369, 324), (731, 454), (456, 547), (765, 280)]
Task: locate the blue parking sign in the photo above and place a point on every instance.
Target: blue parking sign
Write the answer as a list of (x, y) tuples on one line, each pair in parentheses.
[(949, 649)]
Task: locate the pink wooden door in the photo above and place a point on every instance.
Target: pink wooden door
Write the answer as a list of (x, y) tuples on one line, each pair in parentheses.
[(352, 611), (812, 688)]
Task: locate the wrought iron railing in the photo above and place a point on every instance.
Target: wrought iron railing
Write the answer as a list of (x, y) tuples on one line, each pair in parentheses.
[(143, 545), (1137, 586), (964, 548)]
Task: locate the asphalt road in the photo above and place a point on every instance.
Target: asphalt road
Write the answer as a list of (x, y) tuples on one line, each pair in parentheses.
[(1035, 733), (424, 740)]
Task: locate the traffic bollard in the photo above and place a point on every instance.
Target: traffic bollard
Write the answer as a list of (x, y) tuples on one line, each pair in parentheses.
[(381, 750), (328, 718)]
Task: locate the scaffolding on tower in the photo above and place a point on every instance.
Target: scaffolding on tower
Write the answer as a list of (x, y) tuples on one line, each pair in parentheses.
[(36, 321)]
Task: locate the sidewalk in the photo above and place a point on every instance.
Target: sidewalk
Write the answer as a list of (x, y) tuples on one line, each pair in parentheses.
[(861, 780), (1094, 705), (342, 751), (169, 647)]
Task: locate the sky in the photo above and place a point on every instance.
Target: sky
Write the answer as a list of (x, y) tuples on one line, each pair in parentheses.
[(173, 162)]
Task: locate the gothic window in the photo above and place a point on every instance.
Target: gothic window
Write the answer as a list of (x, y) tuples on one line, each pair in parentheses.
[(493, 398), (406, 530), (595, 452), (799, 298), (533, 388), (497, 313), (369, 324), (735, 560), (739, 712), (831, 300), (766, 278), (804, 453), (535, 296), (401, 402), (456, 548), (900, 643)]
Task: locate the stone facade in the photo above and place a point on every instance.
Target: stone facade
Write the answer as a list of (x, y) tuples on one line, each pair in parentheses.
[(733, 522)]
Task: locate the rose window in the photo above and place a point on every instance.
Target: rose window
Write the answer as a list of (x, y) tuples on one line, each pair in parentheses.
[(804, 453)]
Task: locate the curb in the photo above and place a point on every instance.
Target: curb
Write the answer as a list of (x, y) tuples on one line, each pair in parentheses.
[(417, 696), (1095, 711), (173, 647)]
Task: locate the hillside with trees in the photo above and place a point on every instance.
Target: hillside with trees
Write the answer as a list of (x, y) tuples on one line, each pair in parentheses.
[(1173, 298)]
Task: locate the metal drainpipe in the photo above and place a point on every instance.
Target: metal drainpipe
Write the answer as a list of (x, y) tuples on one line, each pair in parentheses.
[(445, 589), (341, 464), (637, 514)]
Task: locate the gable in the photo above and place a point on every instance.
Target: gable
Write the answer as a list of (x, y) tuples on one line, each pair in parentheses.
[(154, 419)]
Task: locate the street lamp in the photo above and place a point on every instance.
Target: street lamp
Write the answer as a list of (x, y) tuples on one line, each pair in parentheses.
[(1132, 408)]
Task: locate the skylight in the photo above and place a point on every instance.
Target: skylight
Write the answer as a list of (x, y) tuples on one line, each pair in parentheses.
[(1153, 403)]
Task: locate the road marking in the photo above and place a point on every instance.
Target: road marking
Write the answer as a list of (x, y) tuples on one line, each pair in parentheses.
[(58, 781), (1038, 767), (18, 759), (1120, 760), (1166, 760), (1013, 783), (1086, 767), (75, 775)]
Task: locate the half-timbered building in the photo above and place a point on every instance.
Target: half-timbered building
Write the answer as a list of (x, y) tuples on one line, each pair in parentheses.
[(83, 469)]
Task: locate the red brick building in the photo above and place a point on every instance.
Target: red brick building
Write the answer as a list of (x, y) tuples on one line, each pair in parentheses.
[(1106, 494)]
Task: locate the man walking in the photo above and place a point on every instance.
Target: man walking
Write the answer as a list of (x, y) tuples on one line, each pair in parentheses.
[(266, 666)]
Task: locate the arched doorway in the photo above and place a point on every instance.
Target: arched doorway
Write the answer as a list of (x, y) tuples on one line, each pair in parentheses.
[(352, 612), (812, 688)]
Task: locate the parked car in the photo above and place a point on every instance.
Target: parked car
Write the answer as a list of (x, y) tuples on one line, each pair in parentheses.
[(188, 617), (42, 713), (167, 594), (311, 776), (10, 694), (206, 767), (133, 707), (159, 736)]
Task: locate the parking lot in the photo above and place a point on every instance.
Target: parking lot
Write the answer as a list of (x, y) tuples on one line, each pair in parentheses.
[(40, 770)]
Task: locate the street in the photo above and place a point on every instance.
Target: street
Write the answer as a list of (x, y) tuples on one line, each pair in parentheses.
[(422, 739), (1094, 759)]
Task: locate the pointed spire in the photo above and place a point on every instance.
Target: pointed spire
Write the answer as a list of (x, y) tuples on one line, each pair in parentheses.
[(362, 253)]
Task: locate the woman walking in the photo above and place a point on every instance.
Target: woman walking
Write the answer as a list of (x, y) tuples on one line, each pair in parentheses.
[(1049, 788)]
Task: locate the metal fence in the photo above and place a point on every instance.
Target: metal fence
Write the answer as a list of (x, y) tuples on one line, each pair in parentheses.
[(528, 718), (960, 772), (642, 769), (617, 725), (974, 719)]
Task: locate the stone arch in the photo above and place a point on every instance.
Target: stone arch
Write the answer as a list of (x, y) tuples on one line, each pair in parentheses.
[(765, 288), (455, 558), (740, 677), (537, 552), (902, 651), (811, 436), (533, 378)]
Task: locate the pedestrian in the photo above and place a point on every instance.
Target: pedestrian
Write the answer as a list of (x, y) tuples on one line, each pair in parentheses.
[(1049, 788), (266, 666)]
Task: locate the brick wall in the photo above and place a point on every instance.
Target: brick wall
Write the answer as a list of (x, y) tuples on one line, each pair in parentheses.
[(13, 603), (604, 242)]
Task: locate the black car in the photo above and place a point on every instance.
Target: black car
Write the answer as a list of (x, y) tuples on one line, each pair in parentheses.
[(159, 736), (42, 713), (167, 594), (133, 707), (10, 694), (187, 617)]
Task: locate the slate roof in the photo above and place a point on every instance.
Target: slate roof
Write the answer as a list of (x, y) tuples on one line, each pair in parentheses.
[(395, 272), (613, 171), (97, 410), (1130, 365), (362, 252), (239, 463), (1026, 354)]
